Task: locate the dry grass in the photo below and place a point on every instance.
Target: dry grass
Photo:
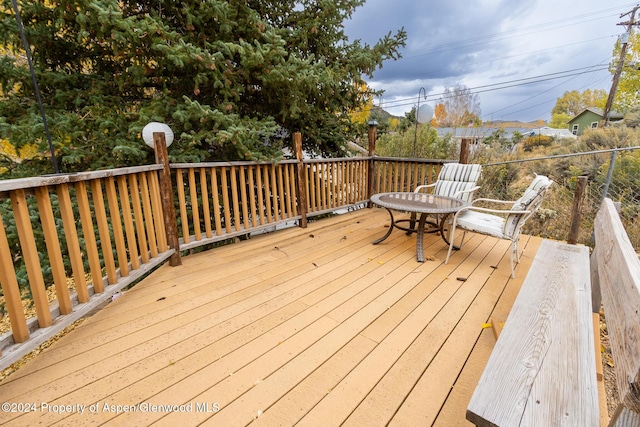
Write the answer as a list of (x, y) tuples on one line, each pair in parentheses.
[(608, 371)]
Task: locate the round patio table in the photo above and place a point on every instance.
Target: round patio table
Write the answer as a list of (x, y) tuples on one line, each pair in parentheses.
[(418, 203)]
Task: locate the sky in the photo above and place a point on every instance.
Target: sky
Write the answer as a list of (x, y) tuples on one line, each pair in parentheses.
[(519, 56)]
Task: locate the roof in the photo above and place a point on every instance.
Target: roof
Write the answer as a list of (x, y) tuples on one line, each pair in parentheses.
[(612, 114), (485, 132)]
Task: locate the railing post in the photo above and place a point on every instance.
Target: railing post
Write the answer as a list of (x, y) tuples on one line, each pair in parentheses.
[(576, 211), (302, 180), (166, 190), (464, 150), (612, 165), (373, 136)]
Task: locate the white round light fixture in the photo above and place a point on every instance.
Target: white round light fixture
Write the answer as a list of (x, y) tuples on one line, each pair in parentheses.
[(153, 127), (425, 113)]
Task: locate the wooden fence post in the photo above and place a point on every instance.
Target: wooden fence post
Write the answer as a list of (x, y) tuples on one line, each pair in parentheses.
[(302, 180), (166, 190), (576, 211), (373, 136)]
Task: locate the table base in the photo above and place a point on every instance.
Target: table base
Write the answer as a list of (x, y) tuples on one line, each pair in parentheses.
[(420, 230)]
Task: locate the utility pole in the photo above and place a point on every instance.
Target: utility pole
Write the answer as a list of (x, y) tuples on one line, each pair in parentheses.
[(616, 76)]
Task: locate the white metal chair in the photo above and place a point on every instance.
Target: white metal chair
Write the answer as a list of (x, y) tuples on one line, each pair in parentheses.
[(455, 180), (501, 223)]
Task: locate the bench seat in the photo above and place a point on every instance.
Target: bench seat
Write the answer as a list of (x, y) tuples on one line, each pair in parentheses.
[(542, 371)]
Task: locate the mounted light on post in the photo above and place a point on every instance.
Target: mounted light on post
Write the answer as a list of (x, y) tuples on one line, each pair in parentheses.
[(424, 114), (155, 127), (159, 136)]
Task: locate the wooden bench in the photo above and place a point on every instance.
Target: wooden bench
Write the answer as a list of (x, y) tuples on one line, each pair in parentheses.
[(542, 370)]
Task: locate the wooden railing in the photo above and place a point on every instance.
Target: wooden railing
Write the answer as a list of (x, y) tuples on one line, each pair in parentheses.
[(393, 174), (218, 201), (101, 231)]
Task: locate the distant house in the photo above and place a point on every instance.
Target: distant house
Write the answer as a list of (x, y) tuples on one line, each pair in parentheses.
[(552, 132), (478, 134), (589, 118)]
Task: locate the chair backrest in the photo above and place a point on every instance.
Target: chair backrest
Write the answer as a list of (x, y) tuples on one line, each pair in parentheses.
[(457, 177), (530, 201)]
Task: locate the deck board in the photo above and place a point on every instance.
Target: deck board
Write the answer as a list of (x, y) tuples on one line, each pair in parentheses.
[(312, 326)]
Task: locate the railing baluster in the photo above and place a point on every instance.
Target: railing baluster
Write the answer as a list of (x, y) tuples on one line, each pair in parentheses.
[(215, 194), (195, 206), (226, 208), (281, 195), (103, 230), (53, 249), (31, 258), (260, 187), (158, 215), (73, 244), (183, 207), (148, 215), (274, 192), (128, 222), (267, 193), (139, 218), (243, 197), (116, 224), (11, 290), (237, 221), (206, 211), (89, 233)]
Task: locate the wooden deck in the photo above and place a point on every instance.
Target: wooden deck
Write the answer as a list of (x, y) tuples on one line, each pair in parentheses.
[(312, 327)]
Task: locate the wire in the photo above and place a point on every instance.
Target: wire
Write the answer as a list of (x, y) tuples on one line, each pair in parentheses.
[(494, 37), (509, 84), (565, 22), (35, 86)]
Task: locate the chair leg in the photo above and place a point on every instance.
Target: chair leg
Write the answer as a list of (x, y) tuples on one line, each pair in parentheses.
[(514, 254), (464, 234), (451, 238)]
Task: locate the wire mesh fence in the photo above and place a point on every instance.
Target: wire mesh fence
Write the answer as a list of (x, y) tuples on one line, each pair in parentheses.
[(611, 173)]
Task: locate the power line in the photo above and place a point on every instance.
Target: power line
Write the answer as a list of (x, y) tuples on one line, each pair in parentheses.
[(532, 97), (520, 31), (489, 38), (509, 84)]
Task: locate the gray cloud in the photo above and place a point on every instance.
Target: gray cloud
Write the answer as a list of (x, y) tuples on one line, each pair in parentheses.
[(486, 42)]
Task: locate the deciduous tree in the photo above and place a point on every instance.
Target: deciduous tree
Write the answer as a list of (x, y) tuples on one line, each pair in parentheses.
[(572, 103), (626, 95), (462, 107)]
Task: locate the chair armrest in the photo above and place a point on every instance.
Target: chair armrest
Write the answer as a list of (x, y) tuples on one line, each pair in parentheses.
[(494, 211), (471, 190), (420, 187), (506, 202)]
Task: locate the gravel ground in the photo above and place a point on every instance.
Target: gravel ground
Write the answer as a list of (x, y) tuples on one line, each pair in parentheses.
[(608, 372)]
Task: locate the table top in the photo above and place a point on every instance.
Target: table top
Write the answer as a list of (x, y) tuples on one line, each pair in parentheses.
[(418, 202)]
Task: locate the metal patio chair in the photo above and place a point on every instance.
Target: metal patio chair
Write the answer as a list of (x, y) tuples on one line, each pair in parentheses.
[(457, 180), (501, 223)]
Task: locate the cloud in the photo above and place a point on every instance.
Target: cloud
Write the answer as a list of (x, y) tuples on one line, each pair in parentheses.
[(493, 42)]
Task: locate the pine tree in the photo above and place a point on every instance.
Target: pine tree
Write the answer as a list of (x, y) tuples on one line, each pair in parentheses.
[(233, 79)]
